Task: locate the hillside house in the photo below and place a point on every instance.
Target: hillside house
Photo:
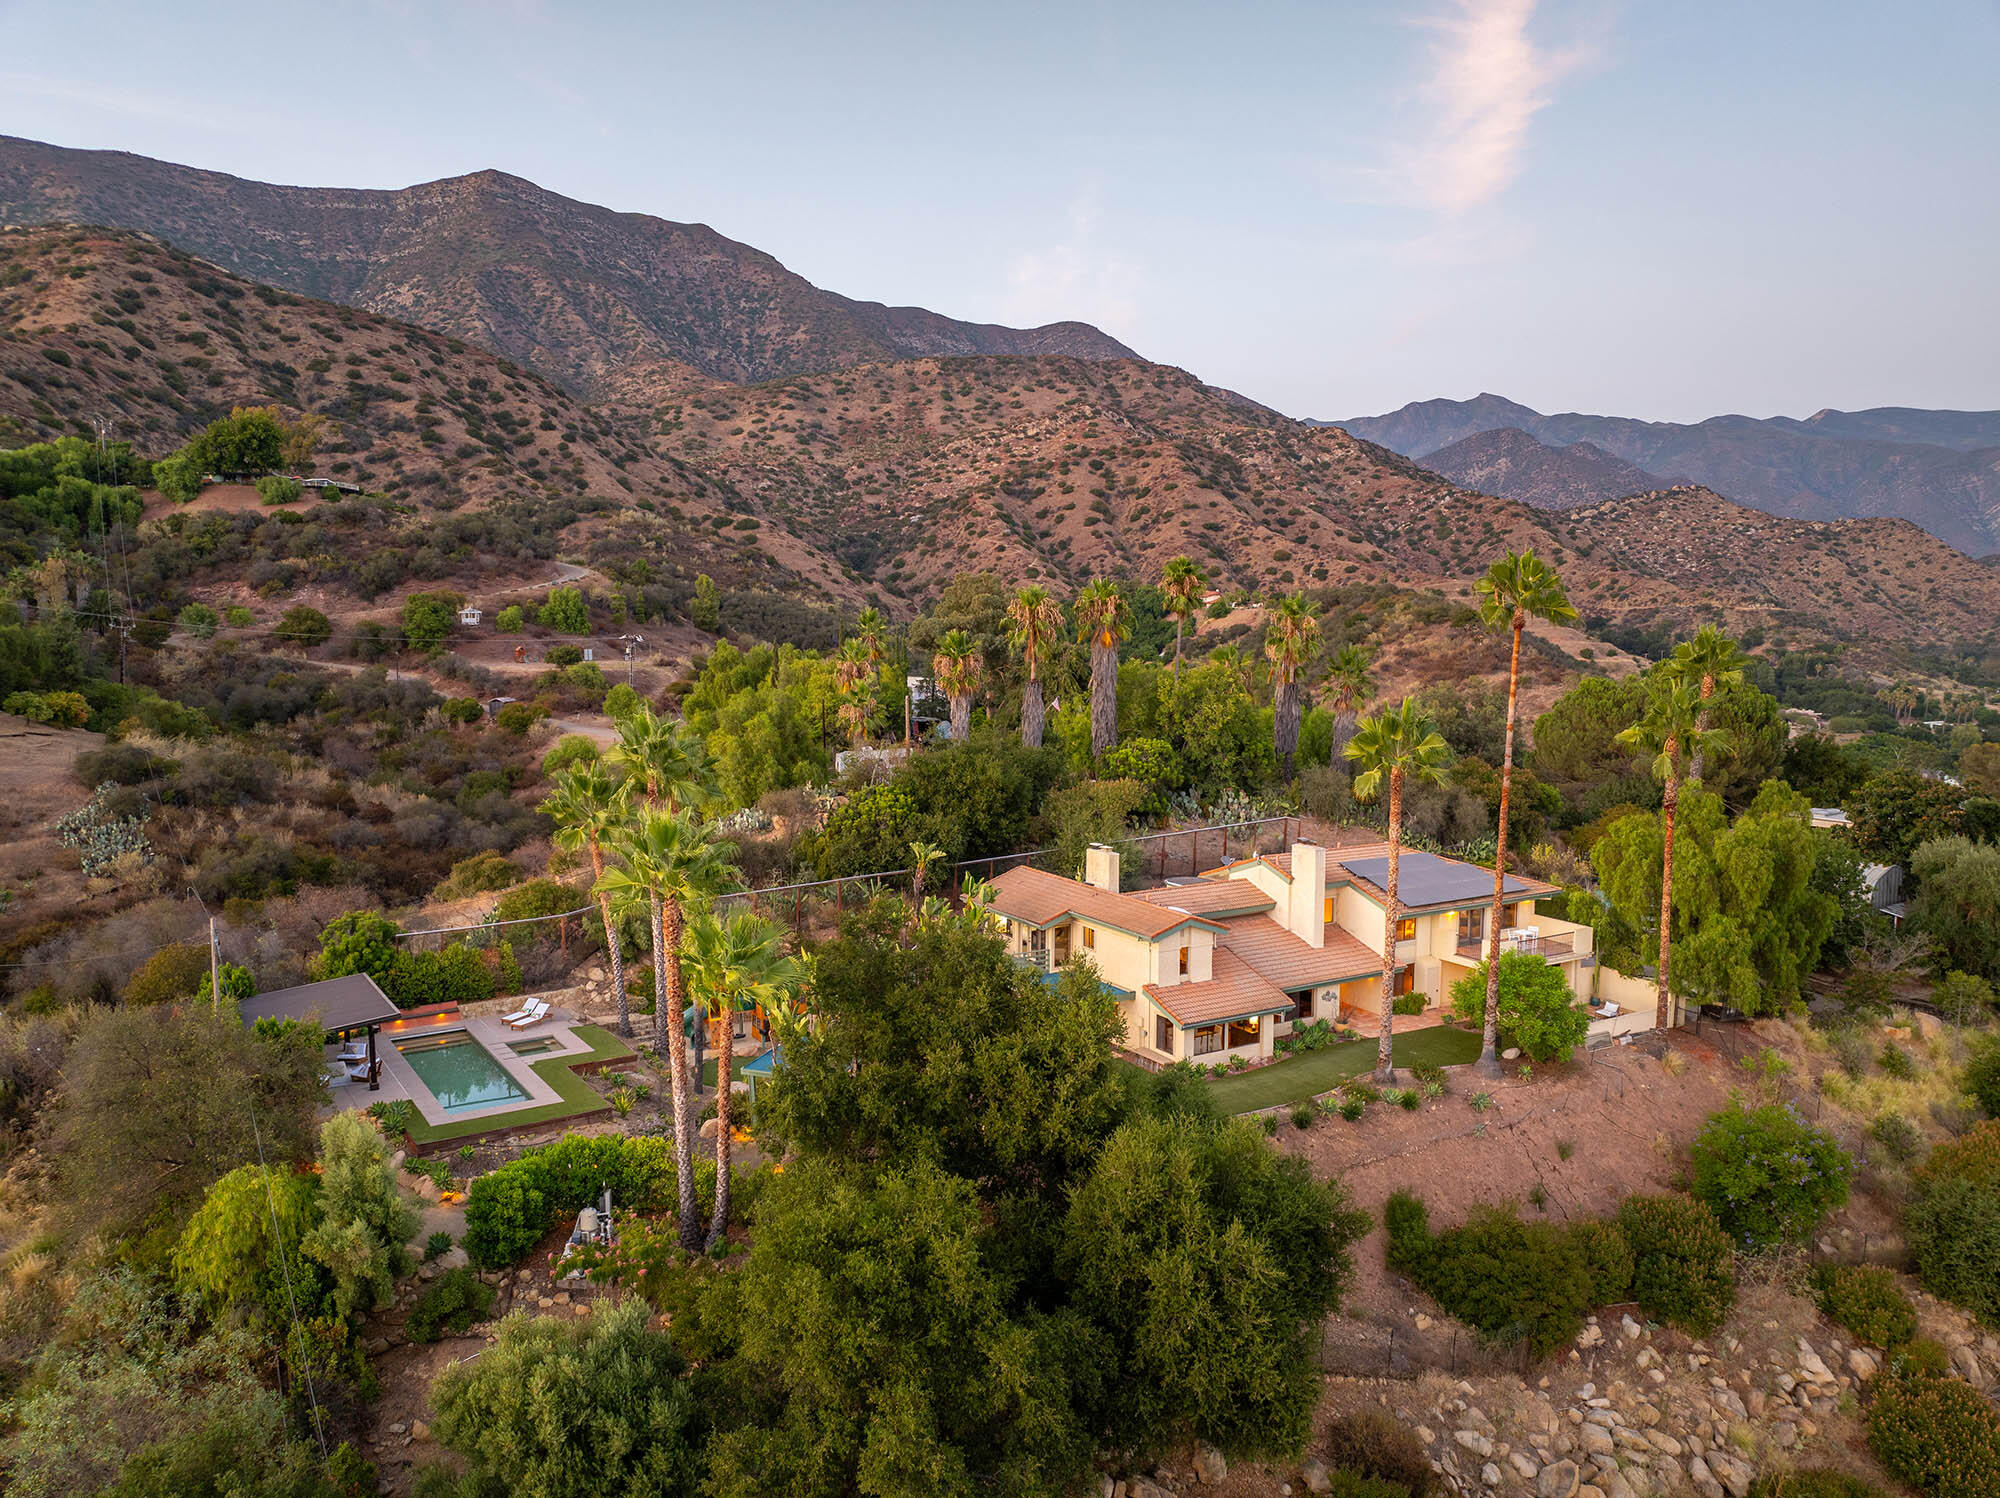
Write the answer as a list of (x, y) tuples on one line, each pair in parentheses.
[(1225, 965), (470, 616)]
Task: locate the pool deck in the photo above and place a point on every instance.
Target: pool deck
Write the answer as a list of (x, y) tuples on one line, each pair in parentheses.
[(400, 1081)]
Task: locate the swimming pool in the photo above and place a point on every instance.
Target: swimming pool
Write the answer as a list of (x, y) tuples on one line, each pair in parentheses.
[(460, 1072), (541, 1045)]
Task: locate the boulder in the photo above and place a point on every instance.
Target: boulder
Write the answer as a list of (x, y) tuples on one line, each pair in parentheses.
[(1966, 1361), (1474, 1442), (1315, 1476), (1209, 1465), (1861, 1364), (1558, 1480)]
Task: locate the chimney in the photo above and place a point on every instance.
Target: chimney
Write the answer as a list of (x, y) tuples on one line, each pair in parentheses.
[(1305, 909), (1100, 866)]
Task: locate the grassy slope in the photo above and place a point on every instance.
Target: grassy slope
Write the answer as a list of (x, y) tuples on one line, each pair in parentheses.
[(1302, 1077)]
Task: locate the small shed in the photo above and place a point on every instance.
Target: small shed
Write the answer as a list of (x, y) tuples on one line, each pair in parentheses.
[(340, 1006), (470, 615)]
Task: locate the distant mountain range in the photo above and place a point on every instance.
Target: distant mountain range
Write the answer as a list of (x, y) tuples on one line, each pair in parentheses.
[(607, 304), (1940, 469)]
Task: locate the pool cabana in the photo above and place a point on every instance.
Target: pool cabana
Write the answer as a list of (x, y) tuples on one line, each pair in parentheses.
[(340, 1006)]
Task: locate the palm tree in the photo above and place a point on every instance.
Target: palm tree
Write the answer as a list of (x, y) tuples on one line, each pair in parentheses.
[(1181, 584), (736, 964), (1238, 663), (922, 856), (872, 631), (667, 757), (1349, 688), (668, 862), (1289, 644), (1396, 744), (1105, 620), (1711, 658), (854, 679), (589, 806), (958, 669), (1034, 619), (1671, 730), (1520, 584)]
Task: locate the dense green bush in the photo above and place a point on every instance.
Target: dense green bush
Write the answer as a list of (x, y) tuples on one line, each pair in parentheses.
[(199, 620), (1508, 1279), (457, 974), (1952, 1221), (1768, 1175), (509, 620), (480, 874), (564, 655), (1683, 1267), (1867, 1300), (453, 1301), (177, 972), (1374, 1444), (1939, 1435), (509, 1209), (1982, 1076), (1538, 1012), (304, 627), (564, 612), (1607, 1258), (1900, 1138), (570, 749), (518, 717), (279, 489)]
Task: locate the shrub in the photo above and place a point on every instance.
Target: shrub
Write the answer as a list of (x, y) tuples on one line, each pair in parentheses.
[(564, 655), (509, 620), (361, 941), (1341, 1483), (570, 749), (1303, 1115), (1511, 1280), (238, 617), (1768, 1175), (1895, 1061), (1921, 1357), (1866, 1299), (199, 620), (1898, 1136), (1538, 1012), (363, 1222), (56, 709), (1607, 1259), (1406, 1224), (453, 1301), (1683, 1267), (1351, 1108), (1939, 1435), (478, 875), (508, 1210), (1813, 1482), (177, 972), (1952, 1225), (1982, 1076), (452, 975), (304, 627), (621, 702), (1407, 1003), (1375, 1444), (564, 612), (465, 710), (517, 718), (439, 1243), (278, 489)]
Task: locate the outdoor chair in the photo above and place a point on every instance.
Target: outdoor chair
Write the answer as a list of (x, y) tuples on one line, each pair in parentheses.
[(534, 1014), (520, 1014), (354, 1050)]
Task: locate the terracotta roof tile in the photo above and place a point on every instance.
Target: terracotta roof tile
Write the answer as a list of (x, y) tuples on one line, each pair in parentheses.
[(1235, 992), (1211, 897), (1040, 898), (1290, 962)]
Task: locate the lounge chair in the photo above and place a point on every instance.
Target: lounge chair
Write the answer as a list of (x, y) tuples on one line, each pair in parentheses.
[(354, 1050), (520, 1014), (534, 1014)]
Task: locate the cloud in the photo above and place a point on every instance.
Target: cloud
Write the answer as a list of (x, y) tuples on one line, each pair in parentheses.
[(1488, 81), (1076, 279)]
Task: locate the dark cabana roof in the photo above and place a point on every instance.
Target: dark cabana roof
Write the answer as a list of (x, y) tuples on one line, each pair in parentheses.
[(1425, 879), (338, 1003)]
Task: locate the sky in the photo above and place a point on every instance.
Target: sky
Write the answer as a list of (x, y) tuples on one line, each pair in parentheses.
[(1668, 210)]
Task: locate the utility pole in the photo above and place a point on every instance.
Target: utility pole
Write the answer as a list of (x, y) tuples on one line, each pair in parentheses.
[(214, 970)]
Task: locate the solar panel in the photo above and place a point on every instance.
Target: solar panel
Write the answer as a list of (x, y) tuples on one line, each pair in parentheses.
[(1426, 879)]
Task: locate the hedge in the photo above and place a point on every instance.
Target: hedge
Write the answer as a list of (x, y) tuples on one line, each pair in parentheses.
[(1939, 1435), (1683, 1264), (508, 1210)]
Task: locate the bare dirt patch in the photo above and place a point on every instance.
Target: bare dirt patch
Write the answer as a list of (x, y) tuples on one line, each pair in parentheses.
[(35, 789)]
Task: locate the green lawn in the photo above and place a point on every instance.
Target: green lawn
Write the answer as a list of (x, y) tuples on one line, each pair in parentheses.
[(1300, 1077), (558, 1072)]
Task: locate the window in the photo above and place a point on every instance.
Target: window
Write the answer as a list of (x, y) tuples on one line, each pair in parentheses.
[(1184, 961), (1243, 1031), (1089, 937), (1163, 1034), (1302, 1004), (1509, 916), (1406, 980), (1327, 919), (1406, 928), (1207, 1040)]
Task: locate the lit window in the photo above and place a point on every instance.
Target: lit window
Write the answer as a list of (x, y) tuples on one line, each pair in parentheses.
[(1327, 919), (1243, 1031), (1406, 928), (1090, 936), (1207, 1040), (1184, 961), (1406, 980)]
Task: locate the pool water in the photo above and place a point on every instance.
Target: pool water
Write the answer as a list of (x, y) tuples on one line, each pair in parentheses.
[(534, 1047), (460, 1072)]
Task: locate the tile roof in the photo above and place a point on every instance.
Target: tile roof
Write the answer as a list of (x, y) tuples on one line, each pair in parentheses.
[(1291, 962), (1235, 992), (1211, 897), (1040, 898)]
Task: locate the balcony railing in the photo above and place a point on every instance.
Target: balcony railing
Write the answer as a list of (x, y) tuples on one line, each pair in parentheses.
[(1034, 957), (1539, 946)]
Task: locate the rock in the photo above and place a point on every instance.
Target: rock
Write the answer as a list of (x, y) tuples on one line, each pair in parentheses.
[(1209, 1465), (1558, 1480), (1490, 1475), (1785, 1434), (1966, 1361), (1524, 1464), (427, 1271), (1589, 1337), (1596, 1440), (1474, 1442), (1811, 1366), (419, 1431), (397, 1428), (1616, 1485), (709, 1127), (375, 1346), (1512, 1053), (1424, 1323), (582, 1308), (1315, 1476), (1663, 1443), (1860, 1364)]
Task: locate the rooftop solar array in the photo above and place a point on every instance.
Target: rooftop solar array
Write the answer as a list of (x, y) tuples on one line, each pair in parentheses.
[(1426, 879)]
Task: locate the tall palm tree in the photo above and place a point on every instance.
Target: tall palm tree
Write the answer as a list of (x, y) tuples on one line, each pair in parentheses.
[(736, 963), (668, 758), (668, 862), (1712, 659), (854, 679), (1394, 746), (1034, 619), (1516, 587), (1349, 688), (1290, 643), (923, 857), (873, 633), (1105, 620), (958, 668), (590, 806), (1181, 584), (1671, 731)]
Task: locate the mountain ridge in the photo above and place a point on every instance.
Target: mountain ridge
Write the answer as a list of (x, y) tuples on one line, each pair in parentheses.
[(598, 299)]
